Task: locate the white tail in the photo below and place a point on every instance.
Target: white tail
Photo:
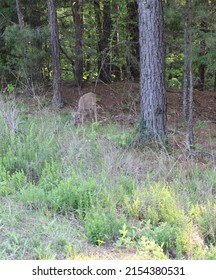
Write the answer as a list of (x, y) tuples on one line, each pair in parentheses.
[(87, 102)]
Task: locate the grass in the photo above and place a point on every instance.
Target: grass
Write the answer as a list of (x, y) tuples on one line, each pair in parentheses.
[(71, 192)]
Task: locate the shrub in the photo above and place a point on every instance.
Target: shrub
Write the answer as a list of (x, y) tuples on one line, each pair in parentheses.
[(33, 196), (73, 194), (135, 237), (151, 250), (156, 204), (205, 217), (11, 183), (102, 225), (29, 148), (51, 175)]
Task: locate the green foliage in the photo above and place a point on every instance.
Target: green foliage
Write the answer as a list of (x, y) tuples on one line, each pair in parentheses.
[(30, 40), (174, 83), (173, 238), (51, 175), (156, 204), (205, 217), (151, 250), (27, 151), (80, 175), (134, 237), (102, 225), (33, 197), (73, 194)]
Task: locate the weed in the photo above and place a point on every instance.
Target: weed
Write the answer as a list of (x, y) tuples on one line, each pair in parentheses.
[(102, 226)]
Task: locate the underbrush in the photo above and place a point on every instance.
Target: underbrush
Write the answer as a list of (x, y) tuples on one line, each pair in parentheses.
[(143, 200)]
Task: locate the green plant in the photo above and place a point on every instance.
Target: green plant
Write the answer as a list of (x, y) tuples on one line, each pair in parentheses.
[(33, 196), (150, 250), (102, 225), (205, 217), (73, 194), (156, 203), (51, 175), (174, 83), (136, 238)]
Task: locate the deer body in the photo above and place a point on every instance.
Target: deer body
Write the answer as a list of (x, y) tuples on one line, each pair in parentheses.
[(87, 103)]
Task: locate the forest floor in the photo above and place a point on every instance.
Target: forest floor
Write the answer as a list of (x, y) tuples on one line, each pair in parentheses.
[(119, 103)]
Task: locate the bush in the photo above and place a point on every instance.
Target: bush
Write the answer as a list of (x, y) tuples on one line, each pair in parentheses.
[(173, 238), (156, 204), (11, 183), (205, 218), (51, 175), (33, 197), (102, 225), (27, 148), (74, 194), (136, 238)]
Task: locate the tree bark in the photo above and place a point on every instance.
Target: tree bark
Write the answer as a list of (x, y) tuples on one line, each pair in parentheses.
[(56, 66), (190, 122), (152, 70)]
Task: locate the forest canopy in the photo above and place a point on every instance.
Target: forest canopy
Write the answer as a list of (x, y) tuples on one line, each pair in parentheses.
[(99, 40)]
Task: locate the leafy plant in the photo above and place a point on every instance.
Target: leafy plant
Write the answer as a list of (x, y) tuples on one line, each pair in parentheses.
[(102, 225)]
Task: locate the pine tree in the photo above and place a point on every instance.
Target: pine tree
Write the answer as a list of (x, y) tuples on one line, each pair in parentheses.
[(152, 68)]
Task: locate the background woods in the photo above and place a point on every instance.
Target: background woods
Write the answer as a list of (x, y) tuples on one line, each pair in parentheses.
[(99, 40)]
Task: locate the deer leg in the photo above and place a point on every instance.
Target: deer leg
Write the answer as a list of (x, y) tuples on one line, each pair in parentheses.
[(95, 113), (90, 113)]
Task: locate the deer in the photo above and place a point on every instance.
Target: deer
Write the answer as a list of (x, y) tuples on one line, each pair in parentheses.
[(87, 103)]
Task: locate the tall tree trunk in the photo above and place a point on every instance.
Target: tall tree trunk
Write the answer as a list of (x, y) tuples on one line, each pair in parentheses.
[(24, 51), (77, 10), (152, 68), (190, 122), (56, 66), (133, 30), (103, 16)]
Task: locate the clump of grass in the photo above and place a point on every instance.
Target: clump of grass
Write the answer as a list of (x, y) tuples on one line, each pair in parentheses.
[(102, 225), (155, 203), (205, 218)]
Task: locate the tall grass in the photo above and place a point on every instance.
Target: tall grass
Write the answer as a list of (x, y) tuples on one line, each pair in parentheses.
[(138, 199)]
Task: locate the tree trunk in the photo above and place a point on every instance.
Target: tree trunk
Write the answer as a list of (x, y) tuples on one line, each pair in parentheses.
[(190, 122), (77, 10), (56, 66), (24, 51), (152, 68)]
